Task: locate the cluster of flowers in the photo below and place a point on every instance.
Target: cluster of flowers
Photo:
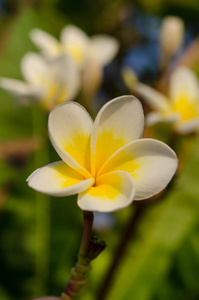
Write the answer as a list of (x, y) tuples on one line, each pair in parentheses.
[(104, 161), (180, 105), (63, 68)]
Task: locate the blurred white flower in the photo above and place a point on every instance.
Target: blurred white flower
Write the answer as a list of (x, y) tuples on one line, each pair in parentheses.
[(182, 105), (91, 54), (78, 44), (171, 37), (105, 162), (49, 82)]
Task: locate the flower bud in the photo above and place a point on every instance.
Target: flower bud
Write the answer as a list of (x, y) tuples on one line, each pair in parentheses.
[(171, 35)]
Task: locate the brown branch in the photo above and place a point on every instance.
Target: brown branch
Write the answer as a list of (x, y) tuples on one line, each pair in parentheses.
[(138, 210), (18, 148)]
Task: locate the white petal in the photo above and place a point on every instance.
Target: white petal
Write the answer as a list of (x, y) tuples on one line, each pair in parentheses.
[(62, 81), (76, 43), (58, 179), (104, 48), (151, 164), (183, 84), (119, 122), (24, 93), (14, 86), (69, 128), (34, 68), (46, 42), (111, 192), (187, 127), (67, 75), (153, 118), (152, 97)]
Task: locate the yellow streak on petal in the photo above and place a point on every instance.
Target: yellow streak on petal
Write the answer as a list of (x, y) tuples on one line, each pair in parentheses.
[(107, 144), (187, 109), (76, 52), (109, 190), (124, 161), (78, 146), (54, 96), (66, 176)]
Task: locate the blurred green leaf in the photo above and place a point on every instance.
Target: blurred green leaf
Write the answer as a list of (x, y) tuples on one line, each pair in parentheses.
[(15, 121), (159, 242)]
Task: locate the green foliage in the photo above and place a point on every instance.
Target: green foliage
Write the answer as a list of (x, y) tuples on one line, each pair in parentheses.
[(21, 238), (180, 7), (162, 258)]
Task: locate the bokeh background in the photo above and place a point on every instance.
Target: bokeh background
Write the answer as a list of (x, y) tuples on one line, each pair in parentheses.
[(39, 236)]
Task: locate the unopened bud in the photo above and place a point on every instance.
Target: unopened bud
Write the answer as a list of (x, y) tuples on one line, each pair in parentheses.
[(171, 35)]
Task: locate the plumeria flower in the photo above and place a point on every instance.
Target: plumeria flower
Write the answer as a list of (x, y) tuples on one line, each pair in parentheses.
[(105, 162), (78, 44), (49, 82), (91, 54), (181, 107)]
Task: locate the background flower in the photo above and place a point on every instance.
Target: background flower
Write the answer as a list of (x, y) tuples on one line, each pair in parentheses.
[(49, 82), (36, 257), (77, 44), (182, 105), (91, 54)]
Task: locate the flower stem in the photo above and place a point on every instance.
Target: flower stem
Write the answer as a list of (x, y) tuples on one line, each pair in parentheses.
[(90, 248), (88, 224), (126, 236), (138, 210)]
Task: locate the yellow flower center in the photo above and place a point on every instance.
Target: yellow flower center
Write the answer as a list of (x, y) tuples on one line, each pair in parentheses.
[(105, 191), (187, 109), (54, 96), (76, 53)]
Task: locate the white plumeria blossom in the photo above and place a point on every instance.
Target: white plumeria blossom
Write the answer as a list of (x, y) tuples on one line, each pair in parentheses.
[(78, 44), (49, 82), (181, 107), (105, 162)]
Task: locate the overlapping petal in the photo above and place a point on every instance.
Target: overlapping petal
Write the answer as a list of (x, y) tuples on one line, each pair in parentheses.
[(34, 68), (184, 85), (67, 76), (111, 192), (119, 122), (62, 82), (76, 43), (45, 41), (104, 48), (69, 129), (151, 164), (58, 179), (105, 162)]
